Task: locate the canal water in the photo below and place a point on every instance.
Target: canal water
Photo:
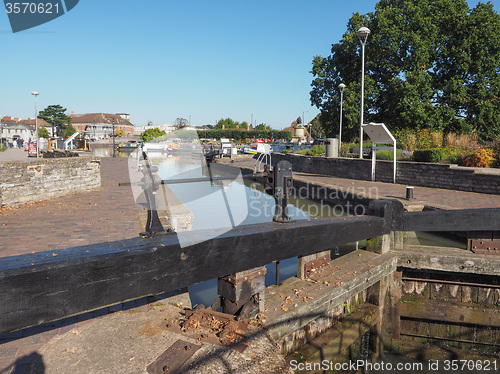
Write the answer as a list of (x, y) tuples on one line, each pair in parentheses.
[(229, 203)]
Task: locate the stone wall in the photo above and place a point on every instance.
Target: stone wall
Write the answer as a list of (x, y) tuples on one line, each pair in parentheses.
[(445, 176), (36, 180)]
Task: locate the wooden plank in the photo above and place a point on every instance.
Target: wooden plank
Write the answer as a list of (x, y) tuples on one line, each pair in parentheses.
[(447, 311), (452, 220), (40, 287)]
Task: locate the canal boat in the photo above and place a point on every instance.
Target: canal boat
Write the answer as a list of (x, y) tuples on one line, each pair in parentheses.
[(131, 145)]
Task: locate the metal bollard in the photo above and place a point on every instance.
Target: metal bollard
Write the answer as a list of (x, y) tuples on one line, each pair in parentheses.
[(409, 193)]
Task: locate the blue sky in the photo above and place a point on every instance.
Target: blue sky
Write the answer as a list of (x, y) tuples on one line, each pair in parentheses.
[(159, 60)]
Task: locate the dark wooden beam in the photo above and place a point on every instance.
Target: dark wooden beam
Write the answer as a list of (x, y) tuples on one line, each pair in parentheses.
[(449, 311), (40, 287), (452, 220)]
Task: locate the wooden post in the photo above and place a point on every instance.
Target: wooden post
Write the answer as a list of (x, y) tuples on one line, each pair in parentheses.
[(397, 240), (305, 264), (243, 292), (380, 244)]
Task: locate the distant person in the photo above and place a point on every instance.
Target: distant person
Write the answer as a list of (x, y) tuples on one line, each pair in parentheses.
[(10, 142)]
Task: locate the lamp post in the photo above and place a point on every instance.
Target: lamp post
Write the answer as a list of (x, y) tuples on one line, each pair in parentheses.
[(304, 124), (114, 155), (341, 88), (35, 93), (362, 33)]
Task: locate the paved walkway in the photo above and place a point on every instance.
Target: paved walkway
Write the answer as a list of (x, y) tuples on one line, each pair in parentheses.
[(14, 154), (104, 215)]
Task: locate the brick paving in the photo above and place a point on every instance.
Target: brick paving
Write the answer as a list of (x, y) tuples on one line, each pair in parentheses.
[(92, 217)]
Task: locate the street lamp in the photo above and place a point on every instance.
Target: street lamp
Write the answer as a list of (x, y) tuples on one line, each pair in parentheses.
[(341, 88), (114, 155), (35, 93), (362, 33), (304, 124)]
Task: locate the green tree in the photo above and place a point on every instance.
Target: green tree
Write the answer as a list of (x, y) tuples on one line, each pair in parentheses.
[(227, 123), (151, 134), (55, 115), (317, 130), (68, 131), (429, 64), (262, 126), (43, 132)]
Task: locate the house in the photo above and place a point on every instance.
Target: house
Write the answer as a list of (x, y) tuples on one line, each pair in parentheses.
[(13, 128), (41, 123), (100, 125)]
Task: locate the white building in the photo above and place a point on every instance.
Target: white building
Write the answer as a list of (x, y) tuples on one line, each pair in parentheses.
[(138, 130), (16, 130)]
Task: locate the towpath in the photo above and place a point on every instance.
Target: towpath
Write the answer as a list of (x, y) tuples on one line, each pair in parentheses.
[(424, 196)]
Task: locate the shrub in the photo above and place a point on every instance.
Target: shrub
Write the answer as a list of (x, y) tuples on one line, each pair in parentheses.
[(457, 155), (460, 141), (317, 150), (288, 150), (483, 158), (496, 148), (430, 155), (386, 154)]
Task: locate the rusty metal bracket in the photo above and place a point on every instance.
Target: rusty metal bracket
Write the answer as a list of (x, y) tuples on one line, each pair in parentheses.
[(173, 358), (484, 242), (316, 264), (246, 277)]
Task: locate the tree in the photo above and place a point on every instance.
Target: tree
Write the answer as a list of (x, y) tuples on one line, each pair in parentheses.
[(429, 64), (56, 116), (262, 126), (317, 130), (43, 132), (180, 123), (68, 131), (151, 134)]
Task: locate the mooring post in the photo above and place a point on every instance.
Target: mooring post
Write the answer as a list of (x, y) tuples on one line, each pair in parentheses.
[(243, 292), (392, 211)]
